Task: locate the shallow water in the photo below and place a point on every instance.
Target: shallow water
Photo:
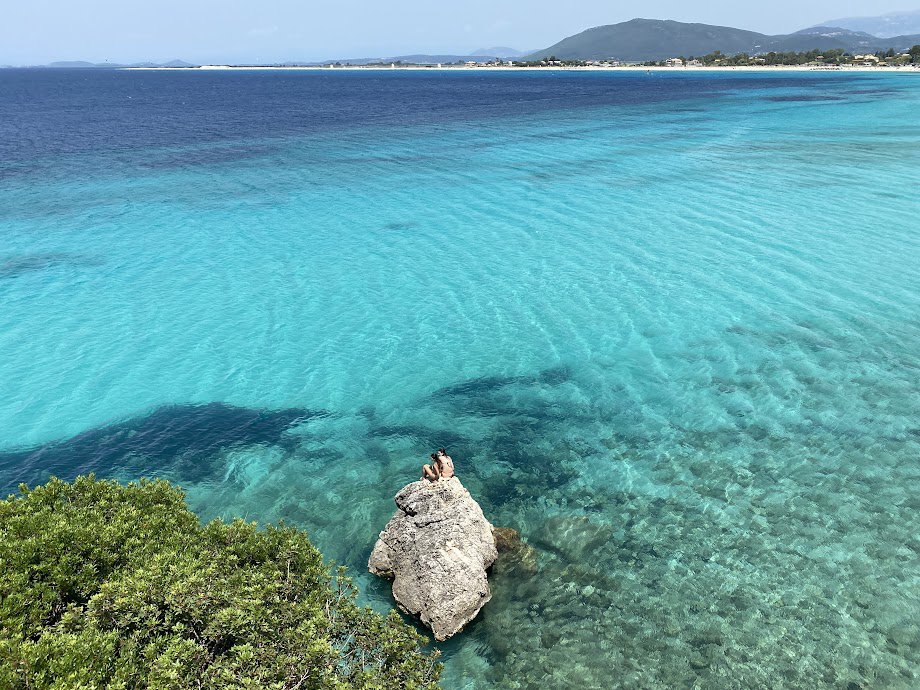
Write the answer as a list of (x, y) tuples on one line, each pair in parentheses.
[(667, 325)]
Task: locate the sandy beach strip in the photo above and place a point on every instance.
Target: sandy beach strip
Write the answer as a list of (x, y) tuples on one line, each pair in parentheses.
[(902, 69)]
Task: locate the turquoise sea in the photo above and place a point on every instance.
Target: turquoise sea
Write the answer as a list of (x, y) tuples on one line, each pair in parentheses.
[(667, 325)]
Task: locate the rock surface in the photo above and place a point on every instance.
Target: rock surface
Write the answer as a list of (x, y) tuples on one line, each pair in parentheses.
[(437, 548)]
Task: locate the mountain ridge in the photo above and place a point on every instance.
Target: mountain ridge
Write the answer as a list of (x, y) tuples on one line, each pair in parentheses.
[(83, 64), (501, 51), (882, 26), (640, 39)]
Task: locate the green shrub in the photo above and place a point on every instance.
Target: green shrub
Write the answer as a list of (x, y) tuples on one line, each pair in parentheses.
[(111, 586)]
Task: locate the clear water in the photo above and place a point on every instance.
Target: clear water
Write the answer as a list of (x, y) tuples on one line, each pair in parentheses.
[(667, 325)]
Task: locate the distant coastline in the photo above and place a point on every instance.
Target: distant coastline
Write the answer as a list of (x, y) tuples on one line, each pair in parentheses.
[(915, 69), (646, 42)]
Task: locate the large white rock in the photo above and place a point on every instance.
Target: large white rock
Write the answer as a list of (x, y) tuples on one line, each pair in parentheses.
[(437, 548)]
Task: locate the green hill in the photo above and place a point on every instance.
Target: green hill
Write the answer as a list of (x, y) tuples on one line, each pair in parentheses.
[(651, 39), (655, 39)]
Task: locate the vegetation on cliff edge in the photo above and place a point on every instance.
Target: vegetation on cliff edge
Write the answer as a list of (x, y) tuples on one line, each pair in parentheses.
[(110, 586)]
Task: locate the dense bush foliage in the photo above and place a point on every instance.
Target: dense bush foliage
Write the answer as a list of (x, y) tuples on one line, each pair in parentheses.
[(111, 586), (829, 56)]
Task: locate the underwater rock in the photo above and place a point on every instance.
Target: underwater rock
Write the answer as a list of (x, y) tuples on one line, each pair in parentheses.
[(507, 539), (515, 552), (437, 547), (575, 538)]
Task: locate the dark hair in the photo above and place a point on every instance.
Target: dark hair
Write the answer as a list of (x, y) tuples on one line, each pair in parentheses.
[(434, 457), (441, 450)]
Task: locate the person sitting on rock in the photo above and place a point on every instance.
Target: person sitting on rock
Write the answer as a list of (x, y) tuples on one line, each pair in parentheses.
[(445, 463), (442, 466), (432, 472)]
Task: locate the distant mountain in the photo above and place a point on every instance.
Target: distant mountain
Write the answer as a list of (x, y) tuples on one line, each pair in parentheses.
[(651, 39), (82, 64), (412, 59), (73, 64), (884, 26), (639, 40), (501, 51), (828, 37), (905, 43), (824, 38)]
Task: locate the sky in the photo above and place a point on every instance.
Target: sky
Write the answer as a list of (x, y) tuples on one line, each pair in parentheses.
[(267, 31)]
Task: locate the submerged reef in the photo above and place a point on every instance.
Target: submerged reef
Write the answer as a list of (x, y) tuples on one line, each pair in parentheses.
[(15, 266), (659, 549), (180, 440)]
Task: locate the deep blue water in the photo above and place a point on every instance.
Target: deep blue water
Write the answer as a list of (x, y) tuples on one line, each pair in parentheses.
[(668, 325)]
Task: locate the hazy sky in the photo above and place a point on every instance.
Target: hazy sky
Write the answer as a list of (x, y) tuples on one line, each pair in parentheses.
[(40, 31)]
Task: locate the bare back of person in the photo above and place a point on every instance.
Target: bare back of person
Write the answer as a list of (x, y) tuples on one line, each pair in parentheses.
[(446, 463)]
